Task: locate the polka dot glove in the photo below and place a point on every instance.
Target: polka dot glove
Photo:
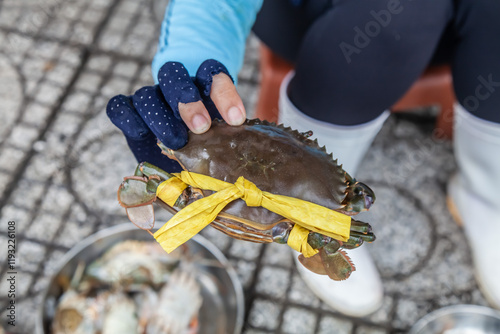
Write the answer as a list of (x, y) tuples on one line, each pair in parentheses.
[(153, 111)]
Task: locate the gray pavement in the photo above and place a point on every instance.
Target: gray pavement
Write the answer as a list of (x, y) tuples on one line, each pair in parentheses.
[(61, 161)]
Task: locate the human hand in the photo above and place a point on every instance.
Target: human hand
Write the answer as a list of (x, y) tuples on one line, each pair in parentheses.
[(178, 103)]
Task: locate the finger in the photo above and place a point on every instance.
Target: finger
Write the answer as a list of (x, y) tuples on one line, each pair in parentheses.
[(216, 85), (177, 86), (195, 116), (140, 138), (227, 100), (151, 106), (121, 112), (182, 96)]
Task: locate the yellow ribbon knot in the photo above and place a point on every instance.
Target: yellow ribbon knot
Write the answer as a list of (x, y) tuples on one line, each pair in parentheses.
[(193, 218), (250, 193)]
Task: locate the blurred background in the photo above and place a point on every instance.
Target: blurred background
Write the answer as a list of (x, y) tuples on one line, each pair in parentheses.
[(61, 162)]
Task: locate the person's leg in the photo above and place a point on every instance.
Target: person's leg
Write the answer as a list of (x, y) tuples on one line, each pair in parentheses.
[(281, 25), (360, 57), (473, 191), (476, 63), (355, 62)]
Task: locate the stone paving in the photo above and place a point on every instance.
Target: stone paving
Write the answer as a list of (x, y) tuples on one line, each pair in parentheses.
[(61, 161)]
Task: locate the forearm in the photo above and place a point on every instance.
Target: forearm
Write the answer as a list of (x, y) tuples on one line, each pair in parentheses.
[(195, 30)]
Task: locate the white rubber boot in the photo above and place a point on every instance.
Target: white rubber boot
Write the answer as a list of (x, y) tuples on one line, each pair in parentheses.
[(473, 196), (362, 293)]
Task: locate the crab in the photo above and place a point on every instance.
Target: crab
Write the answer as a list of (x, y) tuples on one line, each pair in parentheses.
[(132, 288), (276, 159)]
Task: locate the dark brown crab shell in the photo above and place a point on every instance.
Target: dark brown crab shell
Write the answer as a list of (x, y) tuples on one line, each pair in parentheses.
[(278, 160)]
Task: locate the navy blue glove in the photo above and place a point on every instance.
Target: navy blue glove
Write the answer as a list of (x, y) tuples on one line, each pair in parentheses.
[(153, 111)]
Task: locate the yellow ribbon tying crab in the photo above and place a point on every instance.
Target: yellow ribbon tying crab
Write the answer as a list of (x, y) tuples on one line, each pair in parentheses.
[(193, 218)]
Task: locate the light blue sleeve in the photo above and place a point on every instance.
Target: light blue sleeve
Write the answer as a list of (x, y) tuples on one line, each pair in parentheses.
[(195, 30)]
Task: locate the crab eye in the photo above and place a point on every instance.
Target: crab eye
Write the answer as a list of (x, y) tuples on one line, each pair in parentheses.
[(358, 191)]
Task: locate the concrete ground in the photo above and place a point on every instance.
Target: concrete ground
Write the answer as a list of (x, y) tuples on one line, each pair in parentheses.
[(61, 161)]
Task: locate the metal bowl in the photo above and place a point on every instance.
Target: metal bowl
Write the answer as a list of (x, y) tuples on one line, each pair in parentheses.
[(459, 319), (222, 310)]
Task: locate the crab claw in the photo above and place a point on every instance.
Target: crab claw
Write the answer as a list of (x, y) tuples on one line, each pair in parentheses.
[(135, 197), (142, 216), (359, 197)]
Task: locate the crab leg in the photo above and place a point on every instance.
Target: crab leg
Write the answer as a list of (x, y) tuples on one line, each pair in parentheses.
[(147, 169), (313, 263), (330, 261), (338, 265), (357, 239), (361, 227)]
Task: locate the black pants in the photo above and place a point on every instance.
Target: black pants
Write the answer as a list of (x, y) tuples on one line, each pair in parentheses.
[(356, 58)]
